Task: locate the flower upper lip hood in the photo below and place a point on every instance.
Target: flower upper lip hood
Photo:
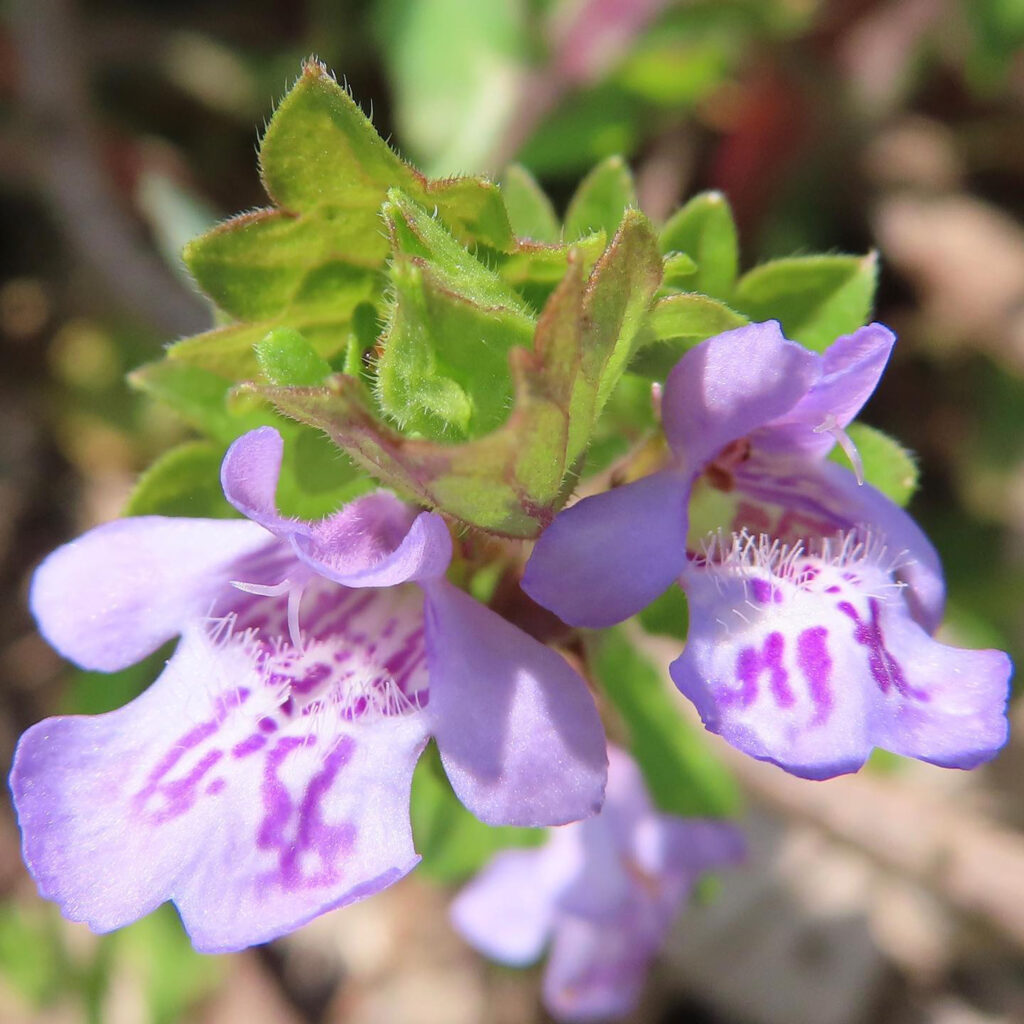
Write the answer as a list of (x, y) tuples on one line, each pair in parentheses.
[(604, 892), (811, 596), (750, 383), (265, 776)]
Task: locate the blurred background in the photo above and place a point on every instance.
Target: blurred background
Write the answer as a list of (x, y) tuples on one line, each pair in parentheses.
[(128, 126)]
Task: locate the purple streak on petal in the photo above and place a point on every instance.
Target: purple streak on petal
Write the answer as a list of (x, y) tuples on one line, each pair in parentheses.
[(917, 560), (815, 664), (728, 386), (791, 732), (851, 368), (518, 732), (963, 722), (609, 555), (751, 663), (884, 666), (257, 741), (118, 592), (336, 793), (816, 498)]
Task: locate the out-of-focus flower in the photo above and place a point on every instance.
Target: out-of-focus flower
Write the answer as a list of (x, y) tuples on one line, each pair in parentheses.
[(812, 596), (264, 777), (604, 892)]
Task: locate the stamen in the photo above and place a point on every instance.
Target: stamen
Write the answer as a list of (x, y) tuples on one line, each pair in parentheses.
[(261, 589), (293, 588), (294, 600), (830, 425)]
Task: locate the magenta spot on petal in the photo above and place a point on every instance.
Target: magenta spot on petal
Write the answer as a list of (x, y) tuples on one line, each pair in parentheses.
[(886, 671), (179, 795), (751, 663), (296, 830), (313, 678), (249, 745), (267, 724), (762, 591), (816, 665), (216, 786), (834, 589)]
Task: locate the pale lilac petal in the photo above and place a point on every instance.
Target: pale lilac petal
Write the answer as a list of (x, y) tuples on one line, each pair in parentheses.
[(119, 591), (518, 732), (507, 911), (610, 555), (730, 385), (249, 475), (375, 542), (907, 546), (761, 666), (594, 971), (813, 668), (851, 368), (694, 845), (959, 719), (253, 816)]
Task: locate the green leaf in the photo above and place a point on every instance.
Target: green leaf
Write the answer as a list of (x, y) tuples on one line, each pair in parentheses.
[(442, 370), (455, 70), (308, 263), (534, 269), (183, 482), (95, 693), (668, 615), (513, 480), (815, 298), (679, 271), (887, 464), (453, 843), (529, 209), (704, 229), (601, 200), (285, 357), (682, 775), (173, 976), (674, 325), (33, 960)]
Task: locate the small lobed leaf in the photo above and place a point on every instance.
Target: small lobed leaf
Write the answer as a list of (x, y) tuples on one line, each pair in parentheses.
[(815, 298), (705, 230), (601, 200), (529, 209), (887, 464), (442, 368), (682, 774), (285, 357), (312, 260)]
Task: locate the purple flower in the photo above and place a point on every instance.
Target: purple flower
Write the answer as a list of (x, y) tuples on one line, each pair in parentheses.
[(264, 778), (812, 598), (604, 891)]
